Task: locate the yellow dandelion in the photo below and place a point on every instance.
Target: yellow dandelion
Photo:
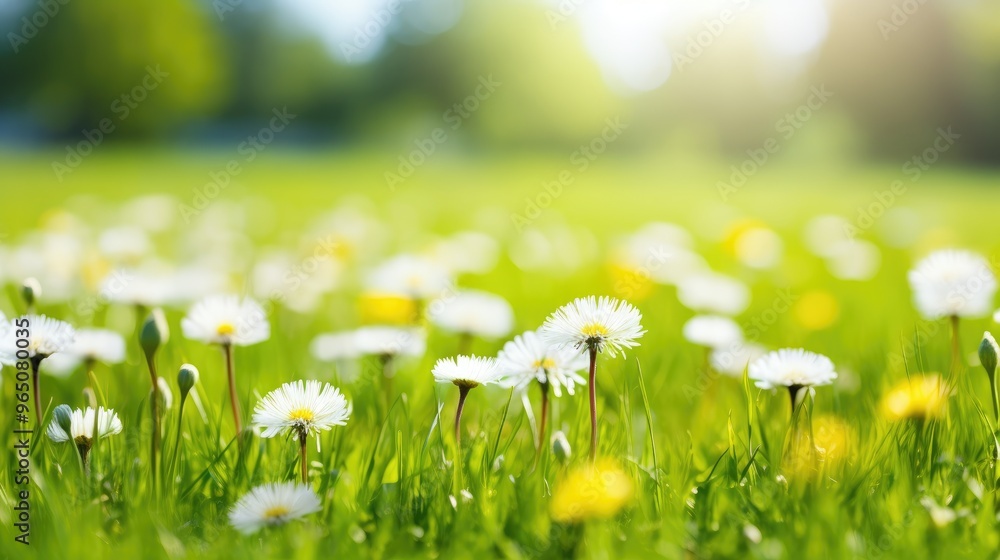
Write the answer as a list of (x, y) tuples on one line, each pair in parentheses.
[(829, 446), (595, 491), (378, 308), (919, 397)]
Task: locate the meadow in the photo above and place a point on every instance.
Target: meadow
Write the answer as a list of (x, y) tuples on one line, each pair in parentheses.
[(705, 453)]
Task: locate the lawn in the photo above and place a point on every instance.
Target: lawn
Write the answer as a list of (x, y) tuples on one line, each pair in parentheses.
[(704, 451)]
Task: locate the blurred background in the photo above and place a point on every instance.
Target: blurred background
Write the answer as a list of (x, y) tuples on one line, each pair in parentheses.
[(852, 80)]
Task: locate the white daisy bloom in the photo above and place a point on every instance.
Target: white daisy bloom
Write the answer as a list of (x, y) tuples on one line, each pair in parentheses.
[(528, 358), (714, 293), (390, 341), (604, 324), (792, 367), (417, 277), (46, 336), (332, 347), (953, 283), (467, 371), (82, 426), (854, 260), (227, 320), (759, 247), (713, 331), (473, 312), (301, 407), (732, 359), (90, 345), (273, 504), (124, 243)]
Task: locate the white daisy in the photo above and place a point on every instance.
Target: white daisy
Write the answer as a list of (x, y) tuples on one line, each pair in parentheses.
[(82, 426), (390, 341), (301, 407), (416, 277), (467, 371), (713, 293), (713, 331), (473, 312), (273, 504), (528, 358), (90, 345), (793, 368), (46, 336), (333, 347), (953, 283), (124, 243), (732, 359), (227, 320), (604, 324)]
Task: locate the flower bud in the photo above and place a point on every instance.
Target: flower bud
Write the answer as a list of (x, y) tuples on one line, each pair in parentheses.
[(166, 395), (63, 416), (31, 290), (560, 447), (154, 333), (186, 378), (988, 351)]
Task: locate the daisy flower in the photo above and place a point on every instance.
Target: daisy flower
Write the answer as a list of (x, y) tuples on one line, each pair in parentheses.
[(46, 336), (597, 325), (301, 408), (81, 428), (527, 358), (390, 341), (793, 368), (334, 347), (953, 283), (466, 372), (417, 277), (712, 331), (710, 292), (273, 504), (473, 313), (604, 324), (228, 321), (89, 346)]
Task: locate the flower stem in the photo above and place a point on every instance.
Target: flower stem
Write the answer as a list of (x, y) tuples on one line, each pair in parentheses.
[(593, 404), (227, 349), (177, 442), (463, 392), (542, 422), (154, 409), (956, 349), (36, 388), (464, 343), (303, 438)]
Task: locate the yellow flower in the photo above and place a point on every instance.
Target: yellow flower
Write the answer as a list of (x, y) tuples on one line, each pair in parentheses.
[(816, 310), (829, 446), (592, 492), (630, 283), (387, 309), (919, 397)]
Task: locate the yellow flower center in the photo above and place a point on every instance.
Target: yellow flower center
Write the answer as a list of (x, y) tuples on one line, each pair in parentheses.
[(226, 329), (276, 512), (594, 330), (301, 415), (546, 364)]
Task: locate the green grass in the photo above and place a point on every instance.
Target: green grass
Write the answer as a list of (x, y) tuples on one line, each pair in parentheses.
[(705, 467)]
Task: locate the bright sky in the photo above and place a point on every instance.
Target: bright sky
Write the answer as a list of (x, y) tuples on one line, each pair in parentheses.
[(630, 40)]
